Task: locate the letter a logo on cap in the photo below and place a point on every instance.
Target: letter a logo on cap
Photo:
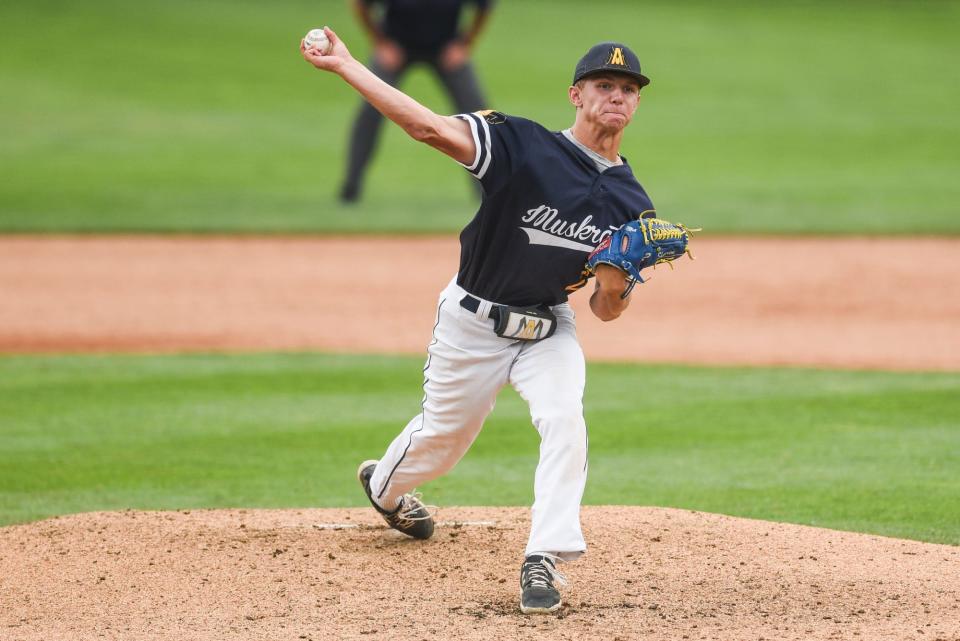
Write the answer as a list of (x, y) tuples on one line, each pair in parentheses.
[(616, 57)]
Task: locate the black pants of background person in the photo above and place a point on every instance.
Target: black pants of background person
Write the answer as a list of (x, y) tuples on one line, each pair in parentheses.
[(462, 87)]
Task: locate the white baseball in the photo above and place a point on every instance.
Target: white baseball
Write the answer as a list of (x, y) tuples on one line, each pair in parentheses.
[(317, 38)]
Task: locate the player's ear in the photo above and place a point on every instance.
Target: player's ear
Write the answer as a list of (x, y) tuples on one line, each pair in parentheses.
[(574, 94)]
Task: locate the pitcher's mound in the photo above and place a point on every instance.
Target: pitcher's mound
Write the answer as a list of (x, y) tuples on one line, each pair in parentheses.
[(339, 574)]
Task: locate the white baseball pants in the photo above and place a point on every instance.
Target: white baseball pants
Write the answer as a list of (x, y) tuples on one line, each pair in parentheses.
[(467, 365)]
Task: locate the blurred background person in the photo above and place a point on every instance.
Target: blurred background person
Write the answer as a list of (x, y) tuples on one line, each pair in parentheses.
[(405, 33)]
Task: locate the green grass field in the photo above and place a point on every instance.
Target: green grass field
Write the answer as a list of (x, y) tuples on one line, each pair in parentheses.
[(872, 452), (201, 116)]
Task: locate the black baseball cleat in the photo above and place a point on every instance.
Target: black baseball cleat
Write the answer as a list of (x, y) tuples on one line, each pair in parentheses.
[(349, 193), (411, 517), (538, 595)]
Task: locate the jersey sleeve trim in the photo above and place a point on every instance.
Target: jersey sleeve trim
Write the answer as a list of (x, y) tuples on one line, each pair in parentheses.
[(481, 139)]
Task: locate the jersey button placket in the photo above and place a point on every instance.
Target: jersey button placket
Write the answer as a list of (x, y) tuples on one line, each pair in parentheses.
[(599, 188)]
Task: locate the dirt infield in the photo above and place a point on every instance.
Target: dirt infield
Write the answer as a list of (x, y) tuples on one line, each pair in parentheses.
[(339, 574), (650, 574), (839, 303)]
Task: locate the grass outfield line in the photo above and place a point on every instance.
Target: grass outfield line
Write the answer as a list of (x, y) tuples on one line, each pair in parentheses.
[(762, 117), (866, 451)]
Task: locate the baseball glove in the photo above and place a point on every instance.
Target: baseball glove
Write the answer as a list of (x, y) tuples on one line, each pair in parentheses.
[(642, 243)]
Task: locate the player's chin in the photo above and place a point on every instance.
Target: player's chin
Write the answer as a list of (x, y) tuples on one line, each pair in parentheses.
[(614, 120)]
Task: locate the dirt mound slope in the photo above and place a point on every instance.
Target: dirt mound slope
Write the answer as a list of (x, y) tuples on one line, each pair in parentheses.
[(339, 574), (874, 303)]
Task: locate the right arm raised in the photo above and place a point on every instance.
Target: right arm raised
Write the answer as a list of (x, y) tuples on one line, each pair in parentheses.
[(450, 135)]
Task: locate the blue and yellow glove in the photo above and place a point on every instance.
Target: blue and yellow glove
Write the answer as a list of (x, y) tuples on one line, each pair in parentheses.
[(641, 243)]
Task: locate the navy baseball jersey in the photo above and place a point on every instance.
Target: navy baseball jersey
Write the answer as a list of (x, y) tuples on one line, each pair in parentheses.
[(545, 207)]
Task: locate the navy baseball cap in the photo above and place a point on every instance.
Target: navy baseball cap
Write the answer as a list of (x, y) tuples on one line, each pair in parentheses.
[(610, 57)]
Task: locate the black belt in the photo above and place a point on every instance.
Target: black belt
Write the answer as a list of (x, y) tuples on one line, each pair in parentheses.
[(529, 322), (472, 304)]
